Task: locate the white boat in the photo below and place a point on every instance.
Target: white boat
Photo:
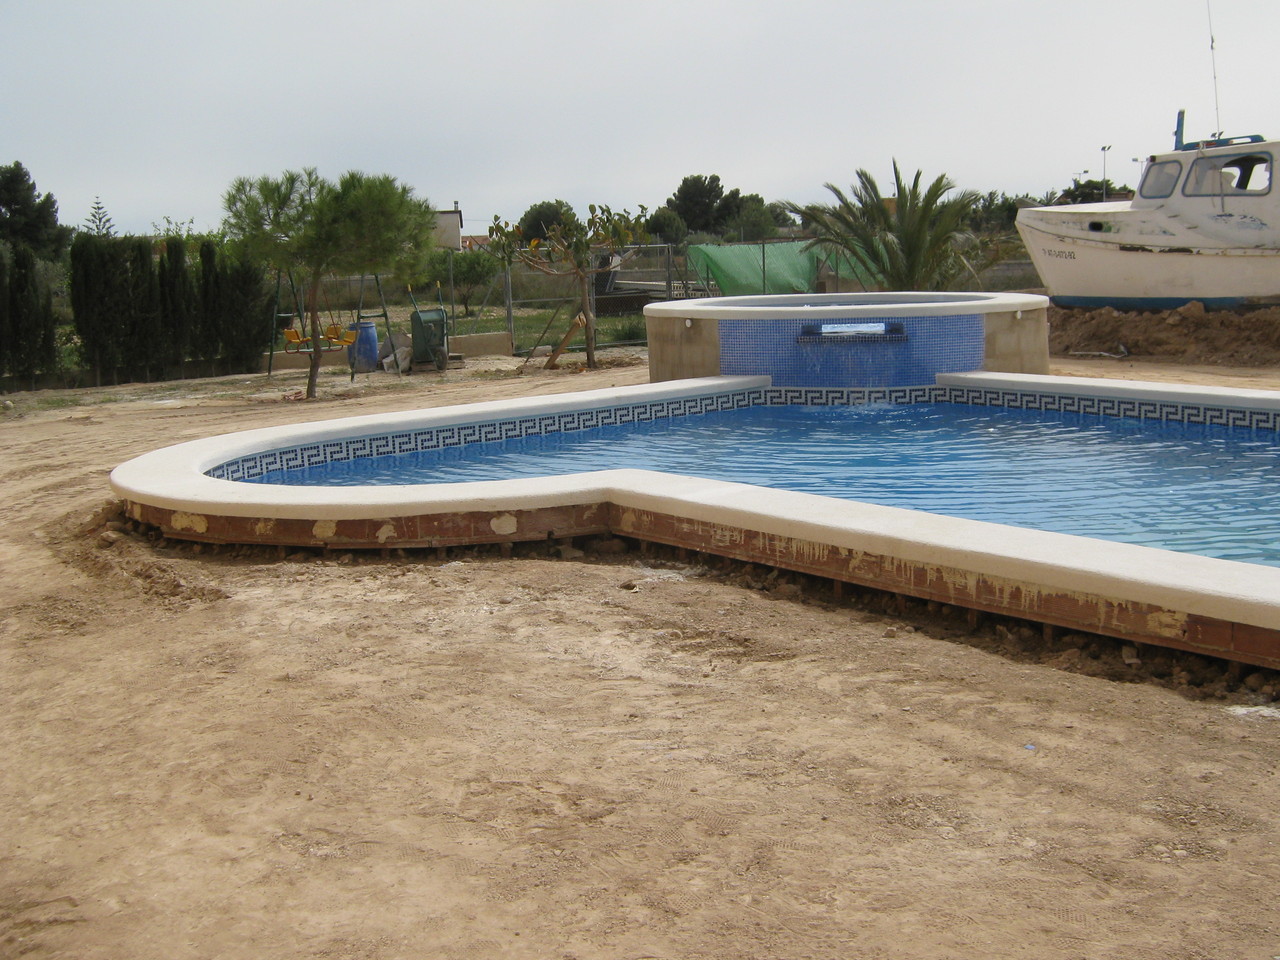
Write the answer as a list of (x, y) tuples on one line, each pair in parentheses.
[(1205, 225)]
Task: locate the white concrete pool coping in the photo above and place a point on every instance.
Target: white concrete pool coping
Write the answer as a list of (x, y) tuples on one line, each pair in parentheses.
[(824, 306), (173, 478)]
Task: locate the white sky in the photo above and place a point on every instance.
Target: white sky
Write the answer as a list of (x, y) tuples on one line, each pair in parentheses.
[(156, 106)]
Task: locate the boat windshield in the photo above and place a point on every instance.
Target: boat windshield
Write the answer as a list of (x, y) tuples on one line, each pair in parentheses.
[(1160, 179), (1241, 175)]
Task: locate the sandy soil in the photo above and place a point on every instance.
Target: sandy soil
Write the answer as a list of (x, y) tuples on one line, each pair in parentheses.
[(223, 754), (1188, 335)]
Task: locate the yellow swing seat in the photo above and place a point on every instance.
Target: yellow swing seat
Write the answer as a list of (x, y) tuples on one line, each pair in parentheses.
[(339, 338), (294, 342)]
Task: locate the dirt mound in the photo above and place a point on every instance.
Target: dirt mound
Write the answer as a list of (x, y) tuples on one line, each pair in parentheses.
[(1189, 334)]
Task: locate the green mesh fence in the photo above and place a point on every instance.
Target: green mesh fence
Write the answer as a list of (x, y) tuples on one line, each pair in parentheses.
[(745, 268)]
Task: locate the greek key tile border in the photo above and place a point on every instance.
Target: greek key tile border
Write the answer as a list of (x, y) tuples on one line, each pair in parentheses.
[(458, 435), (851, 396), (1029, 400), (1193, 413)]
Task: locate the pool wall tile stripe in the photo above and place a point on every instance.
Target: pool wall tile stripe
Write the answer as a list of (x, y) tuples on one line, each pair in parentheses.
[(458, 435)]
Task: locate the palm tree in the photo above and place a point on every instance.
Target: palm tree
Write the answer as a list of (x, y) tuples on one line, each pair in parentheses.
[(916, 240)]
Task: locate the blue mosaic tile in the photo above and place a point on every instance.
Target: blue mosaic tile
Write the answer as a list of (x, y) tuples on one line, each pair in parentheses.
[(929, 346)]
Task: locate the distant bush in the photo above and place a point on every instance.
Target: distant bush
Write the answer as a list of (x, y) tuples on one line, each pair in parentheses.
[(544, 216), (467, 271), (666, 226)]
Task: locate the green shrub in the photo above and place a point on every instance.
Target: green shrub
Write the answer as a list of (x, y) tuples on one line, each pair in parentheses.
[(626, 330)]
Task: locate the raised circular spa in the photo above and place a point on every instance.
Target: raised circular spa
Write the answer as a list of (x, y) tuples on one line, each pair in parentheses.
[(848, 339)]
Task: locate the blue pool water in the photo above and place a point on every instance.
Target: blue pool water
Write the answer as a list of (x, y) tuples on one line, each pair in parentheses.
[(1197, 489)]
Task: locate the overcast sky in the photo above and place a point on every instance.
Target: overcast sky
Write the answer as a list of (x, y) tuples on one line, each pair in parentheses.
[(156, 106)]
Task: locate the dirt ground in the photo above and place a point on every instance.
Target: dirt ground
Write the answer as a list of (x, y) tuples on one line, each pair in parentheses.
[(1187, 335), (614, 755)]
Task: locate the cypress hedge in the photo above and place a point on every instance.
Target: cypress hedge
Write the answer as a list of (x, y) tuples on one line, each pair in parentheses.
[(6, 332), (28, 316), (141, 316)]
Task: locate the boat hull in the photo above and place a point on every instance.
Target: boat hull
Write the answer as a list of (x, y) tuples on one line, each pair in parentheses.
[(1133, 276)]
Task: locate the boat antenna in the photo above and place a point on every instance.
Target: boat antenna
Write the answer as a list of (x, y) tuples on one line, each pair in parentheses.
[(1213, 60)]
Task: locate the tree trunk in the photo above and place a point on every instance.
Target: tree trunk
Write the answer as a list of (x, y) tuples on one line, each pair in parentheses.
[(589, 315), (313, 311)]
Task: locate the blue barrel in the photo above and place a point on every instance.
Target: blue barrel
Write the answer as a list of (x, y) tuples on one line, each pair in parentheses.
[(363, 354)]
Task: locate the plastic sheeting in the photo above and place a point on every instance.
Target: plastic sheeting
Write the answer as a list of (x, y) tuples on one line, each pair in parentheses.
[(746, 268)]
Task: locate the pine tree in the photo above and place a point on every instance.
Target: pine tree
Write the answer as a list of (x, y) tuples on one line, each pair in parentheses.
[(29, 218), (305, 224), (98, 222)]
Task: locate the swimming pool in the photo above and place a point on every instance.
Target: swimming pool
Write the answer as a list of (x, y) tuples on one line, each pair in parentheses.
[(1197, 488), (194, 491)]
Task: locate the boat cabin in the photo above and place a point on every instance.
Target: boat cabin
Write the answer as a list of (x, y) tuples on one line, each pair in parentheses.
[(1209, 175)]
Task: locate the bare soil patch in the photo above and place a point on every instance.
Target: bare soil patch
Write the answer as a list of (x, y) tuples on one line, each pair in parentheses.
[(614, 755), (1188, 335)]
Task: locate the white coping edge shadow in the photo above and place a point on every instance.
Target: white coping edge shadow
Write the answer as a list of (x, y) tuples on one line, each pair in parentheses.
[(173, 478), (823, 306)]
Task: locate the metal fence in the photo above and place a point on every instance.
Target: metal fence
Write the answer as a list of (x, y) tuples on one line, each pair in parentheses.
[(642, 274)]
